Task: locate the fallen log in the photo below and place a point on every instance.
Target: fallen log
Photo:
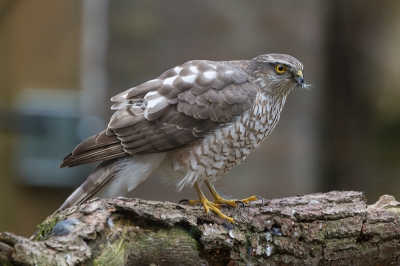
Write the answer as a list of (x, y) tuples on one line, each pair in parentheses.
[(335, 228)]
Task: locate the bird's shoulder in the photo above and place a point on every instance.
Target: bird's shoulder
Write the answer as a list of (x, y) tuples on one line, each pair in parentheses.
[(216, 90)]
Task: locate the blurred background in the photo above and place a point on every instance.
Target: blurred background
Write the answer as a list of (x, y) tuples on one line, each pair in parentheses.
[(61, 61)]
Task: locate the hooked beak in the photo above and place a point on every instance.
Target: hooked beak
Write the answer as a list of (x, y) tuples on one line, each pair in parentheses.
[(299, 78)]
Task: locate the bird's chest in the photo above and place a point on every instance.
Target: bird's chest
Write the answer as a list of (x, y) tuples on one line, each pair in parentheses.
[(250, 130), (231, 143)]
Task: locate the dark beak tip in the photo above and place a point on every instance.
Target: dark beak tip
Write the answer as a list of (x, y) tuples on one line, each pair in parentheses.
[(300, 81)]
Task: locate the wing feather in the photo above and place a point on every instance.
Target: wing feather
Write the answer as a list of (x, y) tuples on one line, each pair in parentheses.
[(179, 107)]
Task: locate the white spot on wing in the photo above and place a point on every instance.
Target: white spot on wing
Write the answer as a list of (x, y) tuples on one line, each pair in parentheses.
[(228, 72), (121, 96), (149, 94), (153, 98), (194, 69), (169, 81), (190, 78), (178, 69), (210, 74), (119, 105)]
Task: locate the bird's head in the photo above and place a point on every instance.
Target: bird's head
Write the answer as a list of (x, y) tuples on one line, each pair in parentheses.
[(277, 73)]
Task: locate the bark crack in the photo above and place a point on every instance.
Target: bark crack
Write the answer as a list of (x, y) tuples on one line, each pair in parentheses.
[(335, 228)]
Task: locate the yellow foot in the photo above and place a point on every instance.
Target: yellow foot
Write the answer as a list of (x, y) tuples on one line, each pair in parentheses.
[(221, 200), (215, 206), (252, 198), (234, 202), (208, 205)]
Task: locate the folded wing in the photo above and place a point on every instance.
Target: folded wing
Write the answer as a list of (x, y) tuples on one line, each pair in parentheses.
[(179, 107)]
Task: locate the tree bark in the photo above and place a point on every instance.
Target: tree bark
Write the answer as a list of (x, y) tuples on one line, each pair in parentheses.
[(335, 228)]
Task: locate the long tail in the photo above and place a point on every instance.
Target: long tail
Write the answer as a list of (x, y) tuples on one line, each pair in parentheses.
[(103, 174), (100, 176), (113, 178)]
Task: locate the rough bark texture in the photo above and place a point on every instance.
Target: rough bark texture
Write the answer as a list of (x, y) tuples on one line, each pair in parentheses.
[(335, 228)]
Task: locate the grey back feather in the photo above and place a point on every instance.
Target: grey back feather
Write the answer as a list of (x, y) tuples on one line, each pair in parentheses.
[(179, 107)]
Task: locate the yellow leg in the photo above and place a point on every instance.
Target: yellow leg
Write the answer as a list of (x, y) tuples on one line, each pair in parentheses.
[(220, 200), (215, 206), (208, 205)]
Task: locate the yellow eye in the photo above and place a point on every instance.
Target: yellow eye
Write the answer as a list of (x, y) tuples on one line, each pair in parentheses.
[(280, 69)]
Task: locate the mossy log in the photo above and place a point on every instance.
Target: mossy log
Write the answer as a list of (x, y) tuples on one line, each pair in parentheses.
[(335, 228)]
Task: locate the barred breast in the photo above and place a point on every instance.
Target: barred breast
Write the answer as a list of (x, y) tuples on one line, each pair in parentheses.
[(227, 146)]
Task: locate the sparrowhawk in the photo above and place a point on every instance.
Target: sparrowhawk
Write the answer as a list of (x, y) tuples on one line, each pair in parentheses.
[(194, 123)]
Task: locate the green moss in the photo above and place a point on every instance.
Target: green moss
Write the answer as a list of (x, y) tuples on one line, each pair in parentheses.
[(114, 254), (135, 246), (44, 229), (393, 209)]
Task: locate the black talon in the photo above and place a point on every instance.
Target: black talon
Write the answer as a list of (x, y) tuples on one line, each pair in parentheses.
[(184, 201), (239, 202), (259, 197)]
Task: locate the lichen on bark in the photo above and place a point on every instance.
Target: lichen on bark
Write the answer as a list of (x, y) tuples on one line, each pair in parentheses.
[(335, 228)]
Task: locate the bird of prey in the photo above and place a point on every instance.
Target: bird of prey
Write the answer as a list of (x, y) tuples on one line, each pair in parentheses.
[(193, 123)]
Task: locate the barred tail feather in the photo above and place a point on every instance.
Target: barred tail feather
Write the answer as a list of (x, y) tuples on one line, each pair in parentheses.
[(97, 180), (115, 178)]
